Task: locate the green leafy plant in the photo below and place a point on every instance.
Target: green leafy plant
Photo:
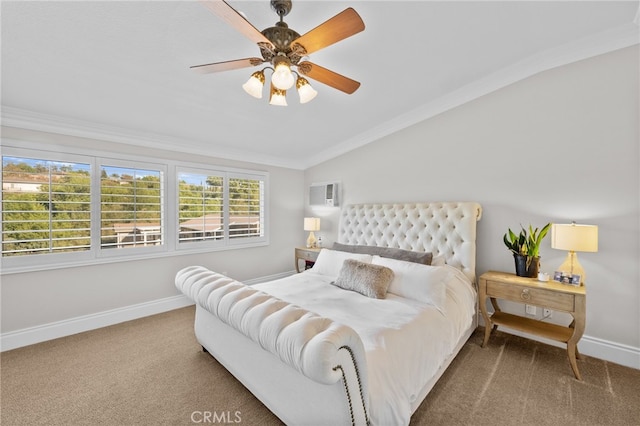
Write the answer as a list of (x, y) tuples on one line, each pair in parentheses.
[(515, 243), (534, 238), (527, 242)]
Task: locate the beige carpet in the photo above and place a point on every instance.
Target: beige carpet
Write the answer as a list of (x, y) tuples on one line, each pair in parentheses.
[(152, 372)]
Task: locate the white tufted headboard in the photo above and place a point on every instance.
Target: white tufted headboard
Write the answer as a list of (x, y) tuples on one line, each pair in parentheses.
[(443, 228)]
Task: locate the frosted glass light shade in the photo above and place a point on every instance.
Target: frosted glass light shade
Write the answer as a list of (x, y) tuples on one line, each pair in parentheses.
[(254, 85), (574, 237), (278, 97), (305, 91), (282, 76)]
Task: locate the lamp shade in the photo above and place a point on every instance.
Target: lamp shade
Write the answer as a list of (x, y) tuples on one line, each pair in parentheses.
[(254, 85), (305, 91), (574, 237), (312, 224), (278, 97), (282, 76)]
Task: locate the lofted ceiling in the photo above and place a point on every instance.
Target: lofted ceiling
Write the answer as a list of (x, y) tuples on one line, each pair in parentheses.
[(119, 71)]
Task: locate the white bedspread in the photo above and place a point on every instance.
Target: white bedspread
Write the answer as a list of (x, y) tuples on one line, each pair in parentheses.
[(405, 341)]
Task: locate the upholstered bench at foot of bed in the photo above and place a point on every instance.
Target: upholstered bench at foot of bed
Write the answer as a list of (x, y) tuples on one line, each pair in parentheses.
[(281, 342)]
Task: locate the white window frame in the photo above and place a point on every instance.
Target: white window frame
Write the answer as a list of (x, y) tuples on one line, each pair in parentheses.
[(244, 241), (49, 259), (139, 165), (169, 169), (225, 242), (195, 245)]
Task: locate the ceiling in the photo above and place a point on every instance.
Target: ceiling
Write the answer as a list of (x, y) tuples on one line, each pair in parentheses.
[(119, 71)]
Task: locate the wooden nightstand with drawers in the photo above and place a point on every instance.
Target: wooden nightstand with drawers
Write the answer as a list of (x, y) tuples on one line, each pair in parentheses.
[(550, 294), (309, 255)]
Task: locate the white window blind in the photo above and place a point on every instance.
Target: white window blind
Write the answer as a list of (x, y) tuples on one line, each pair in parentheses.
[(130, 207), (220, 208), (82, 209), (246, 207), (200, 207), (46, 206)]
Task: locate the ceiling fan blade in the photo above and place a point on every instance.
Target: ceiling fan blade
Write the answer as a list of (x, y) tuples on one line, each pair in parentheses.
[(343, 25), (231, 16), (328, 77), (227, 65)]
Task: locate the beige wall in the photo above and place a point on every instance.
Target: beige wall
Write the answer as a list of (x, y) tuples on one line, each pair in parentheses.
[(40, 298), (559, 146)]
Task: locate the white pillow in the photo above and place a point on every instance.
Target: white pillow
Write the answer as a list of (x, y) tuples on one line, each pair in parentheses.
[(330, 262), (424, 283)]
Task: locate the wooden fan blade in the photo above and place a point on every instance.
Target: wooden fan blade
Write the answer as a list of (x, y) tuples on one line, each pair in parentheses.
[(328, 77), (343, 25), (231, 16), (227, 65)]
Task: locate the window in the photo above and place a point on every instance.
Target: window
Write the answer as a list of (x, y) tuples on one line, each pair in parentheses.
[(61, 209), (130, 207), (46, 206), (200, 207), (245, 208), (216, 207)]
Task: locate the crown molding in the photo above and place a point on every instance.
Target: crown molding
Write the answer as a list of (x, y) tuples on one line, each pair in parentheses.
[(29, 120), (605, 42)]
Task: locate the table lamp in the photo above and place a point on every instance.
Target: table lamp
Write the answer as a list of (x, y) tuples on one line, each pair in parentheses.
[(311, 224), (574, 237)]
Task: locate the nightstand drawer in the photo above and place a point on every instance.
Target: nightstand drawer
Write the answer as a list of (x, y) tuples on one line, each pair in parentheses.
[(307, 254), (532, 296)]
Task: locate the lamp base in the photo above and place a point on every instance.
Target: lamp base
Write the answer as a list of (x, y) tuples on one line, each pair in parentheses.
[(572, 266), (311, 240)]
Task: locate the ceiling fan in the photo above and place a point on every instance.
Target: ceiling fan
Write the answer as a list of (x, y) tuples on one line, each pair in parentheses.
[(286, 50)]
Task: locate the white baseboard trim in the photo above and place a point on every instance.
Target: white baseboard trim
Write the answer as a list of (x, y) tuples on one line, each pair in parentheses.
[(54, 330), (610, 351), (42, 333), (594, 347)]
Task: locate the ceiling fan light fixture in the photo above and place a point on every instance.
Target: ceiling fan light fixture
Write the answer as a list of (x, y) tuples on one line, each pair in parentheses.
[(305, 91), (282, 76), (287, 52), (254, 85), (278, 97)]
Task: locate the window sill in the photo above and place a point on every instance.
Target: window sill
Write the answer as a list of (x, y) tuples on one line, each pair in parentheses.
[(4, 270)]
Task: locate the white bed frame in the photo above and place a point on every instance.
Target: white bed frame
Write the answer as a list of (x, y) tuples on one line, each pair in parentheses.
[(445, 228)]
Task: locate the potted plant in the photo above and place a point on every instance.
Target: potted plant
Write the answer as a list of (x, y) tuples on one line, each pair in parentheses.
[(525, 247)]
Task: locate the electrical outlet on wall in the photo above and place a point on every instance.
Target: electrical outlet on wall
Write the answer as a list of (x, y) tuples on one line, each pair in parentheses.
[(530, 310)]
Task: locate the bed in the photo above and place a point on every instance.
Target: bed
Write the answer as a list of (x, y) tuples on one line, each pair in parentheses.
[(315, 351)]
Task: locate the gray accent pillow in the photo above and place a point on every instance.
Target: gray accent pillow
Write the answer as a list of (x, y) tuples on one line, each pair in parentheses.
[(389, 252), (365, 278)]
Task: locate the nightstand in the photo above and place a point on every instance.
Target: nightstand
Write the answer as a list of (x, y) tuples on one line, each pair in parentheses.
[(550, 294), (309, 255)]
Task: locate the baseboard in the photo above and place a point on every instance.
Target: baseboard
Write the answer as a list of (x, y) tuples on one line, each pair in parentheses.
[(594, 347), (610, 351), (54, 330)]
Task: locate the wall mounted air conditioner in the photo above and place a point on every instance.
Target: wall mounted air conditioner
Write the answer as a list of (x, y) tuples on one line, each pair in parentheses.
[(324, 194)]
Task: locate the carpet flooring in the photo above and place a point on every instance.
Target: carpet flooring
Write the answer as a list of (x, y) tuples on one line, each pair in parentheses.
[(151, 371)]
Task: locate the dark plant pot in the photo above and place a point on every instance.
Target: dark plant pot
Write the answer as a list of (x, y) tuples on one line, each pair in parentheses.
[(526, 266)]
